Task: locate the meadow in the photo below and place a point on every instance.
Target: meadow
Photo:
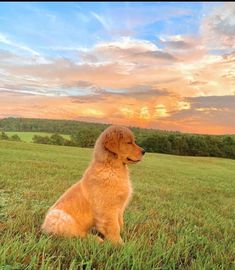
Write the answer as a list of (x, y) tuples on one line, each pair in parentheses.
[(181, 215)]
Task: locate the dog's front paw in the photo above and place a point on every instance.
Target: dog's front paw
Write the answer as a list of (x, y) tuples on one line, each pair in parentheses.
[(99, 239), (117, 241)]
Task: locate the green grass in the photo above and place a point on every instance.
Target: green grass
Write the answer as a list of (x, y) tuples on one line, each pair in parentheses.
[(181, 215), (28, 136)]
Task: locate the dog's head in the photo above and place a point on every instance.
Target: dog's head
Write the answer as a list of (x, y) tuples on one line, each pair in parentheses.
[(118, 142)]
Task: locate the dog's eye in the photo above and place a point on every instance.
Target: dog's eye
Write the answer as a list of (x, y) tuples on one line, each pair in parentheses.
[(129, 143)]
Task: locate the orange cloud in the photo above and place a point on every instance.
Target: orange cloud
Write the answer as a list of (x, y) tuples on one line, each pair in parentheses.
[(165, 112)]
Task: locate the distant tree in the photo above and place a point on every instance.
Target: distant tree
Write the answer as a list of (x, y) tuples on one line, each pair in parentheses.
[(3, 136), (85, 137), (149, 144), (15, 137), (214, 148), (163, 144), (57, 139), (41, 139), (175, 144), (68, 143), (183, 146), (229, 147)]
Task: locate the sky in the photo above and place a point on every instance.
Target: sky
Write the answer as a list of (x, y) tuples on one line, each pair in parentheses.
[(163, 65)]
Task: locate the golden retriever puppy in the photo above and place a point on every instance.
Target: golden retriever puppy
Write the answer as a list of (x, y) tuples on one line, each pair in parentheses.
[(99, 199)]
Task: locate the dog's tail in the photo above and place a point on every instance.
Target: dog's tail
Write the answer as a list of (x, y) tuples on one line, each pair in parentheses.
[(59, 222)]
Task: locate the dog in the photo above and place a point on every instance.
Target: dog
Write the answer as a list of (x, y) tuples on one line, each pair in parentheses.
[(99, 199)]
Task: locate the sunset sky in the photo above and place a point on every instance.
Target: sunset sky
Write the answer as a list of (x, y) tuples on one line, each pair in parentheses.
[(158, 65)]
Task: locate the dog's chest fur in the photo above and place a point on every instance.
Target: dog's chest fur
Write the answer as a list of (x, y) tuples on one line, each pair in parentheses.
[(113, 184)]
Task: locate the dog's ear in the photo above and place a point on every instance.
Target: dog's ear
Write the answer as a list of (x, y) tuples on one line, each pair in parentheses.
[(111, 143)]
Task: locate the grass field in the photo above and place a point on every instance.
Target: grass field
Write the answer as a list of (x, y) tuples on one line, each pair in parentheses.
[(181, 215), (28, 136)]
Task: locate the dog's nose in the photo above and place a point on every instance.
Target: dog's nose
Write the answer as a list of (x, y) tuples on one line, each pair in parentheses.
[(143, 152)]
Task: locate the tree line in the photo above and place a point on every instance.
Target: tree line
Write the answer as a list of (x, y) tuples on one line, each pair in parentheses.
[(82, 138), (185, 145), (191, 145), (46, 125), (83, 134), (14, 137)]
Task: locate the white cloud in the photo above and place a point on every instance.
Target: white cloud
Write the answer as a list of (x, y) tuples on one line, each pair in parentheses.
[(5, 40), (218, 27), (130, 43), (101, 20)]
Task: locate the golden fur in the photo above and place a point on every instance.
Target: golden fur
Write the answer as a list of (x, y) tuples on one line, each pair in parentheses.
[(101, 196)]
